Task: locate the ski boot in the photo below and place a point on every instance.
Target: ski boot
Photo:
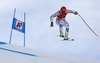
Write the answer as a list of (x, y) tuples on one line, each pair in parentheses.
[(66, 36), (61, 33)]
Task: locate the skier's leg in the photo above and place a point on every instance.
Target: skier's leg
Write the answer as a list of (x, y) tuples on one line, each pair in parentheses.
[(66, 30), (66, 35), (60, 23), (61, 30)]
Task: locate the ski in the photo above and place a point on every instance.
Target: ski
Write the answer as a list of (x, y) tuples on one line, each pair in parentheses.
[(69, 39), (59, 36)]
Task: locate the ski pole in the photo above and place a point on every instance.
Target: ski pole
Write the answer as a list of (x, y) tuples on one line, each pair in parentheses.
[(88, 25)]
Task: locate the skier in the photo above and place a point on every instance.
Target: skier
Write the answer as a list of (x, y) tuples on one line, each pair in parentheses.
[(60, 20)]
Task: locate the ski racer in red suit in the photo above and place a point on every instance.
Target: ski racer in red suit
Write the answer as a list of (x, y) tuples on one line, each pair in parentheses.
[(60, 20)]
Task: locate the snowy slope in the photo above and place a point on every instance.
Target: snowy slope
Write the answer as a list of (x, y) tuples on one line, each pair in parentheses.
[(17, 54)]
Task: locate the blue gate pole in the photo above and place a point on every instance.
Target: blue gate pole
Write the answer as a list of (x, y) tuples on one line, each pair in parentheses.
[(11, 27), (25, 24)]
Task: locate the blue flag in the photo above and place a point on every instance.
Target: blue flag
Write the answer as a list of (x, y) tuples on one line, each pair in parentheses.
[(18, 25)]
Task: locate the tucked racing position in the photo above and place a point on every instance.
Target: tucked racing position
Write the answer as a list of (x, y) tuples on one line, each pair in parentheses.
[(61, 22)]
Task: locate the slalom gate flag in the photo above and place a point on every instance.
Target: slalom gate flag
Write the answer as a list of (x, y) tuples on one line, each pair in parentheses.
[(18, 25)]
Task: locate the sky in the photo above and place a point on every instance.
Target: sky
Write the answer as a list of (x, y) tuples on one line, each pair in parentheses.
[(40, 37)]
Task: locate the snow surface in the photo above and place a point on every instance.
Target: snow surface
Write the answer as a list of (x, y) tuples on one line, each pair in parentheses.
[(17, 54)]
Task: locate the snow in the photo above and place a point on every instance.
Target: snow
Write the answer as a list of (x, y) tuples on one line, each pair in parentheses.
[(13, 54)]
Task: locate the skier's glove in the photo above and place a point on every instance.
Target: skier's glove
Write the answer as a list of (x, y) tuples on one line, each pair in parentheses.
[(76, 13), (51, 24)]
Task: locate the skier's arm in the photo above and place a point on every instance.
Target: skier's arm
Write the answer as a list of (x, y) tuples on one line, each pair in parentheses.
[(51, 18), (54, 15), (72, 11)]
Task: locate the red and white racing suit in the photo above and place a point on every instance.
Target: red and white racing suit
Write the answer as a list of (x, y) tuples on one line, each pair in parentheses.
[(60, 20)]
